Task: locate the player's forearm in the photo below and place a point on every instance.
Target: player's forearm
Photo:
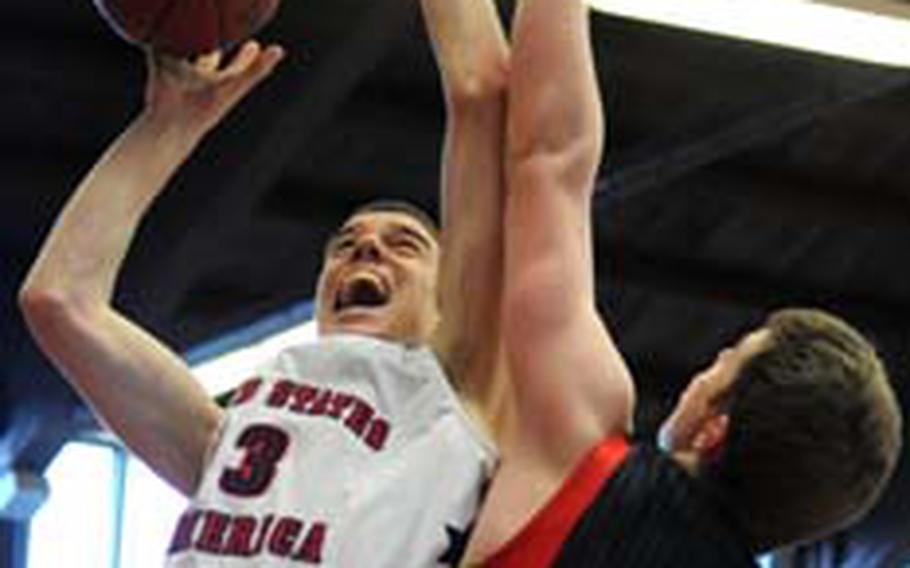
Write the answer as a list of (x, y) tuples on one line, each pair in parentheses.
[(470, 47), (83, 253), (472, 56), (471, 272), (554, 103)]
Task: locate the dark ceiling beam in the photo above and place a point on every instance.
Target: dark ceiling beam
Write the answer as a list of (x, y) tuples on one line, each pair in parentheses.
[(744, 288), (801, 198), (849, 85)]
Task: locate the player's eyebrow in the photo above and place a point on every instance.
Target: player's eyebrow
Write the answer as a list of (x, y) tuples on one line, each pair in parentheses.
[(414, 233), (343, 232)]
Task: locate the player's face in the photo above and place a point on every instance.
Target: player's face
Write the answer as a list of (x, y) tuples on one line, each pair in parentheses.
[(379, 278), (695, 405)]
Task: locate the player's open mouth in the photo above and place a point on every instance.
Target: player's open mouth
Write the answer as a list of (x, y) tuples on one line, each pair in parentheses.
[(364, 290)]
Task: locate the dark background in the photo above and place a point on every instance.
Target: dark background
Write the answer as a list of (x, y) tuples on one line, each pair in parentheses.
[(739, 178)]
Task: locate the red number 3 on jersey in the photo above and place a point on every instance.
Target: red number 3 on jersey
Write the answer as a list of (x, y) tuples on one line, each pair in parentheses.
[(263, 446)]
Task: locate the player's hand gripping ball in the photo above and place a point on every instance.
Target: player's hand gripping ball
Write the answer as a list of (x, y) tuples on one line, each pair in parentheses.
[(185, 28)]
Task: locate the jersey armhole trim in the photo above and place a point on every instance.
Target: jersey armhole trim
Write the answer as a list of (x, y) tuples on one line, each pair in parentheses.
[(540, 539)]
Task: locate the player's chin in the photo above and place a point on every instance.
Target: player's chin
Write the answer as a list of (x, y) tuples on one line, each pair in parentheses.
[(373, 322)]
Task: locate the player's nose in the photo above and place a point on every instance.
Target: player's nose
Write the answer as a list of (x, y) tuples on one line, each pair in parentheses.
[(367, 249)]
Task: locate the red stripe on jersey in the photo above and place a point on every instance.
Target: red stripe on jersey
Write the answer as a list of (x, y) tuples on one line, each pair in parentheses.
[(540, 540)]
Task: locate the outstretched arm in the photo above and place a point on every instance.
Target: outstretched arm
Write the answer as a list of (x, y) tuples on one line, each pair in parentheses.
[(572, 385), (137, 386), (473, 57)]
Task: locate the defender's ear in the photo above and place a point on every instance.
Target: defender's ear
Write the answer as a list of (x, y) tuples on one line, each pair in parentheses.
[(711, 434)]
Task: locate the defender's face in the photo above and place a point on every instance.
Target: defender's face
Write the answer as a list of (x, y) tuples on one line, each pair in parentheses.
[(696, 404), (379, 278)]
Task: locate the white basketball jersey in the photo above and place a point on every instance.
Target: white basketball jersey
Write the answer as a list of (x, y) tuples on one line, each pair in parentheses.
[(349, 452)]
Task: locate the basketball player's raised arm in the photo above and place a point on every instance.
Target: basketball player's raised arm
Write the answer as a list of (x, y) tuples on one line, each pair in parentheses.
[(572, 385), (472, 56), (138, 387)]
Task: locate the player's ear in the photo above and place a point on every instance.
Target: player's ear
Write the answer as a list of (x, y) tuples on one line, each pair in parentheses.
[(711, 434)]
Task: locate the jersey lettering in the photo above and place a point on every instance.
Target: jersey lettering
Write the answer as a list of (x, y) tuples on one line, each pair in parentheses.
[(356, 414), (246, 391), (220, 534)]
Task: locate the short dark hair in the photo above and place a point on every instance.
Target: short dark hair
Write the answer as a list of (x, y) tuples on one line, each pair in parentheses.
[(814, 432), (399, 206)]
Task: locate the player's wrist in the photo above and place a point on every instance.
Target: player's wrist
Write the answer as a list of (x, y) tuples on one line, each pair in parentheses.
[(170, 129)]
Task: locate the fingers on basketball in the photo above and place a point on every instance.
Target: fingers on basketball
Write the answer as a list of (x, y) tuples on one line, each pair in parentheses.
[(187, 28)]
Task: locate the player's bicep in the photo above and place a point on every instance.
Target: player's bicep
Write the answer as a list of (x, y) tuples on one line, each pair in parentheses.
[(134, 384), (549, 259), (571, 382)]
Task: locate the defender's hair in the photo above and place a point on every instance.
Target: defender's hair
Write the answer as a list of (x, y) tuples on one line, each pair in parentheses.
[(814, 435)]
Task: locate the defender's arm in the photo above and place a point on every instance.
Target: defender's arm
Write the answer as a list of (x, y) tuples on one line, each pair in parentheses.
[(572, 385)]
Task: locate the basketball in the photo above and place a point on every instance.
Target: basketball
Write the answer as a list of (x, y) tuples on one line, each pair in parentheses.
[(185, 28)]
